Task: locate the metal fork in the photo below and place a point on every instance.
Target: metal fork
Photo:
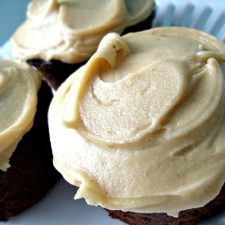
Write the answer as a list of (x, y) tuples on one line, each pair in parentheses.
[(205, 15)]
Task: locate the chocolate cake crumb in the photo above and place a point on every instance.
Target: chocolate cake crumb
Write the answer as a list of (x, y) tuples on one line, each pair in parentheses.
[(186, 217)]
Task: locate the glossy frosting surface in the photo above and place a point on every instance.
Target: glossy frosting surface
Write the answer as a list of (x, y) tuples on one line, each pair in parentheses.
[(142, 125), (19, 85), (70, 30)]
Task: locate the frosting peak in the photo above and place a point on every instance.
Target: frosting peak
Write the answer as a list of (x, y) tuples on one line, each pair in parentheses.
[(111, 49), (150, 130)]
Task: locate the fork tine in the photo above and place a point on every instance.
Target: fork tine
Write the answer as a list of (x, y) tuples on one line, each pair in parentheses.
[(203, 18), (168, 17), (186, 16), (217, 28)]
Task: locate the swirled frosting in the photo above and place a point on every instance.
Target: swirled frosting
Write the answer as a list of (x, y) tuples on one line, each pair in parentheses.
[(70, 30), (19, 85), (141, 126)]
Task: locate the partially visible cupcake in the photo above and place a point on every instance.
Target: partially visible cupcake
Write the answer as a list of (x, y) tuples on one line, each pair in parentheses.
[(26, 171), (142, 127), (59, 35)]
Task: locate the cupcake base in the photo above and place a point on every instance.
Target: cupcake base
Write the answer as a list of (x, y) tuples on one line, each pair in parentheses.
[(186, 217), (54, 71), (31, 174)]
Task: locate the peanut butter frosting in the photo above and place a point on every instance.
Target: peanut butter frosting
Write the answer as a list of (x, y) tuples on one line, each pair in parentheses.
[(141, 126), (70, 30), (19, 85)]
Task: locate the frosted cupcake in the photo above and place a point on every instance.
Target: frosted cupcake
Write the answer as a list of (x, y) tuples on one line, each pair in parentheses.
[(26, 171), (142, 127), (59, 35)]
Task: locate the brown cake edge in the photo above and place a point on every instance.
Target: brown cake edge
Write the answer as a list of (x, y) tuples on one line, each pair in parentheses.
[(186, 217), (31, 174)]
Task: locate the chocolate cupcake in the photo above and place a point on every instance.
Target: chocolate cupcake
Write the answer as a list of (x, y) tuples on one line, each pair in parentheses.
[(58, 36), (26, 171), (142, 127)]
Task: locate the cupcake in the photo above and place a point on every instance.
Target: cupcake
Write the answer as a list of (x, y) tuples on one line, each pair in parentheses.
[(58, 36), (26, 171), (142, 127)]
